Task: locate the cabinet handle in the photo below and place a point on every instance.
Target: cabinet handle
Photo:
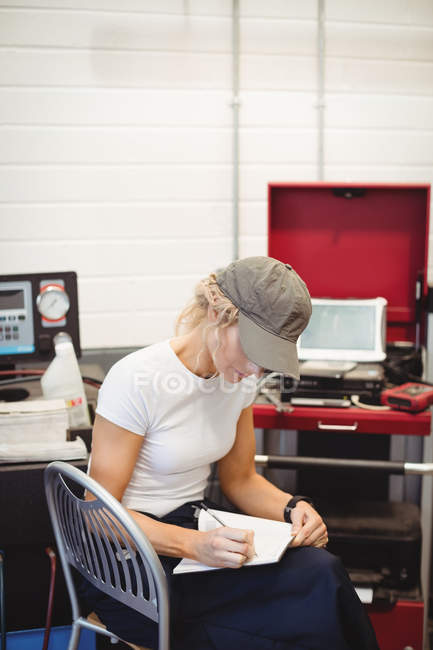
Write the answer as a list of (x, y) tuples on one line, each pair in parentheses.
[(337, 427)]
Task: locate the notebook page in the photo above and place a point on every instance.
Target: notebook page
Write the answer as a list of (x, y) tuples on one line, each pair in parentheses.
[(271, 538)]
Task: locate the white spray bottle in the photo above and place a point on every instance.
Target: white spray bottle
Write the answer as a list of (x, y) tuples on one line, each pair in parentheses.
[(62, 379)]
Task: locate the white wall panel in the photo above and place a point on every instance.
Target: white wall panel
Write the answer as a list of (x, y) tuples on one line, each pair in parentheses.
[(395, 42), (278, 145), (419, 12), (115, 106), (383, 147), (278, 36), (255, 178), (279, 9), (379, 111), (192, 7), (90, 145), (114, 183), (273, 72), (374, 173), (112, 294), (122, 69), (114, 31), (379, 76), (253, 218), (249, 246), (80, 222), (133, 328), (122, 257), (277, 108)]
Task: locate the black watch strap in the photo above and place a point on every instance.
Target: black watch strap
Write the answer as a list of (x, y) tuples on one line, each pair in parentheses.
[(292, 504)]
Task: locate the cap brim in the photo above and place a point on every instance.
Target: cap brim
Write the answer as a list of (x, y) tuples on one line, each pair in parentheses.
[(268, 350)]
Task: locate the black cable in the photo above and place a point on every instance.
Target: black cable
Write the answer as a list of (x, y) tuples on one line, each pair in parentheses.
[(418, 380), (92, 380), (399, 375), (402, 368), (21, 372), (19, 380)]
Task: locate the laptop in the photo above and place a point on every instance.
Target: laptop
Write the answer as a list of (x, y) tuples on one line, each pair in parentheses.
[(342, 334)]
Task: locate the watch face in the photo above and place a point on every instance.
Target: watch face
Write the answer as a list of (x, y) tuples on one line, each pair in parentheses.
[(53, 303)]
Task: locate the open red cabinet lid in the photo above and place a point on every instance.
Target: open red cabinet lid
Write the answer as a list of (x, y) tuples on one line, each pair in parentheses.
[(353, 240)]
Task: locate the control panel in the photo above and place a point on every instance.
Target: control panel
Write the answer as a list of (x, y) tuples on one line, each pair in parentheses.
[(33, 309)]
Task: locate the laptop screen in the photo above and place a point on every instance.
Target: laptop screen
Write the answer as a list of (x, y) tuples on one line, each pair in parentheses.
[(345, 330)]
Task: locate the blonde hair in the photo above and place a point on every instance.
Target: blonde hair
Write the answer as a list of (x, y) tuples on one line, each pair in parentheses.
[(207, 294)]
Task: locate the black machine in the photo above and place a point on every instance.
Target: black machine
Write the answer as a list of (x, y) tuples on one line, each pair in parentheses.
[(366, 380), (34, 307)]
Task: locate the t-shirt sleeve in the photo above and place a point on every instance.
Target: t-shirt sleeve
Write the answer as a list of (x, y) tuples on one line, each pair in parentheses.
[(122, 401)]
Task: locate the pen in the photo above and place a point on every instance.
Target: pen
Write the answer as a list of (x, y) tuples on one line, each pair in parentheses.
[(204, 506)]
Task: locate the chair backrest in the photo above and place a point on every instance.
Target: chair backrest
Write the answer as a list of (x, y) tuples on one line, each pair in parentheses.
[(98, 538)]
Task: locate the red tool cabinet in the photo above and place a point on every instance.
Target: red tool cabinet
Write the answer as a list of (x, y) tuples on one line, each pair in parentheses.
[(358, 240)]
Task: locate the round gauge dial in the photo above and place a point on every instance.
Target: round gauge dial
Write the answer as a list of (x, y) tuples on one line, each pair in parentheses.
[(53, 302)]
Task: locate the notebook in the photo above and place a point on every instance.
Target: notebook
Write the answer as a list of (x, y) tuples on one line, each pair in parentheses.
[(271, 538)]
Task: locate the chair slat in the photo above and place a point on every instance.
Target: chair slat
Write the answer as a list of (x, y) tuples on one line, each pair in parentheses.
[(101, 548), (85, 540), (78, 533), (61, 508), (114, 576), (96, 567), (120, 551), (70, 525)]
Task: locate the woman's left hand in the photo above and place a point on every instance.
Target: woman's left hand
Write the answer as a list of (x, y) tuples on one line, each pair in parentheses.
[(308, 526)]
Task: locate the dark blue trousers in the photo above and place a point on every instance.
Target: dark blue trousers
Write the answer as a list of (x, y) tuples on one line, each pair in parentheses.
[(305, 601)]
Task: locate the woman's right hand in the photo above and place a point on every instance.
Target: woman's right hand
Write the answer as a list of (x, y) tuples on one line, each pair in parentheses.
[(225, 547)]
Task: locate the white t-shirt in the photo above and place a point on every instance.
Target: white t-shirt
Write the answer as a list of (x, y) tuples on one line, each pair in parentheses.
[(187, 422)]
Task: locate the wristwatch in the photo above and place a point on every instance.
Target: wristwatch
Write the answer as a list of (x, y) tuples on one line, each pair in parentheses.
[(292, 504)]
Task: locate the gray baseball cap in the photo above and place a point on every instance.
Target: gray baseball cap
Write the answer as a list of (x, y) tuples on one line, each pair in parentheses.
[(274, 309)]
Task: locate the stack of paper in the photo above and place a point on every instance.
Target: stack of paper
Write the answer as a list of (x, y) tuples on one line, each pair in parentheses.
[(42, 451), (36, 430), (271, 538)]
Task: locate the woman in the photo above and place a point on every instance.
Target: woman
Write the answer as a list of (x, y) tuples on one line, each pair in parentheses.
[(168, 411)]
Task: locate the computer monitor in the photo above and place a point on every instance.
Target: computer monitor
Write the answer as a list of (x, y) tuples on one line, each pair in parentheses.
[(345, 330)]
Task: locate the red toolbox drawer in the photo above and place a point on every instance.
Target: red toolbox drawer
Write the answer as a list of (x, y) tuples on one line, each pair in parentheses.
[(354, 420)]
